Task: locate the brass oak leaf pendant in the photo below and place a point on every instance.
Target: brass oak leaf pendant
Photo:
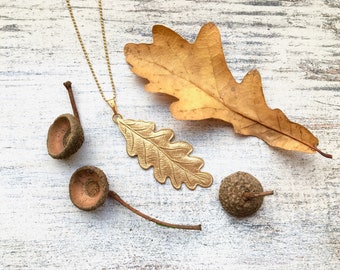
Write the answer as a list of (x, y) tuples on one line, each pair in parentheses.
[(198, 76), (169, 159)]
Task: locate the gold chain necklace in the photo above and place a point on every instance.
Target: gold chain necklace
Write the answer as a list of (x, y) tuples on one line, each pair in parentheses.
[(111, 102), (154, 148)]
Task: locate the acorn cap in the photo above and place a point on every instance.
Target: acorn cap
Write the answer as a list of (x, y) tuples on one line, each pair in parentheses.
[(88, 188), (65, 136), (232, 194)]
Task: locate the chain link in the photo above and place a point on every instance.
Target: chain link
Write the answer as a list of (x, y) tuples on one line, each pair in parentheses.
[(111, 102)]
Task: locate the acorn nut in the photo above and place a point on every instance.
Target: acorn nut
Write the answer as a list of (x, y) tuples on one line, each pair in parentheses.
[(88, 188), (65, 136), (241, 194)]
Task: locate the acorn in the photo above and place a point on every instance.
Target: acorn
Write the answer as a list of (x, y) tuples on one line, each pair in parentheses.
[(89, 189), (241, 194), (65, 136)]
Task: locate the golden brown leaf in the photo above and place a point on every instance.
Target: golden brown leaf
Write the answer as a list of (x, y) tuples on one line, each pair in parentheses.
[(198, 76)]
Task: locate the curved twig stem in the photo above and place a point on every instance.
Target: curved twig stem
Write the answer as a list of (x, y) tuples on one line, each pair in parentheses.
[(68, 86), (116, 197)]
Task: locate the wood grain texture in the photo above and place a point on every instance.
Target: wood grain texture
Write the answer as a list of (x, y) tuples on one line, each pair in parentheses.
[(296, 47)]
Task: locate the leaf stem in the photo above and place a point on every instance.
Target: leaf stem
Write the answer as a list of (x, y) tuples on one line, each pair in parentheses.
[(323, 154), (116, 197), (68, 86)]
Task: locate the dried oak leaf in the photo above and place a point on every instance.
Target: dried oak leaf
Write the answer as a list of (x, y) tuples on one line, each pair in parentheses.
[(198, 76)]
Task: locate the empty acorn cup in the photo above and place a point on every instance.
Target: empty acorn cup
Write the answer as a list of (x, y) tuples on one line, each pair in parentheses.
[(241, 194), (65, 136), (89, 189)]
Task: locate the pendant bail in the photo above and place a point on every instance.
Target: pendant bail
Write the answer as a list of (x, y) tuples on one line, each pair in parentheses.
[(112, 104)]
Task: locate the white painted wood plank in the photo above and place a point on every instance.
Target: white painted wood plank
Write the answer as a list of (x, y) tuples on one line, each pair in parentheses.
[(294, 44)]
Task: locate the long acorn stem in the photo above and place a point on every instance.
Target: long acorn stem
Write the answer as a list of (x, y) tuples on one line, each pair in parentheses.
[(68, 86), (116, 197)]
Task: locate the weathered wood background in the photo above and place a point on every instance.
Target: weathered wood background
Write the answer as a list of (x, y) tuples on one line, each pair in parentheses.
[(296, 47)]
